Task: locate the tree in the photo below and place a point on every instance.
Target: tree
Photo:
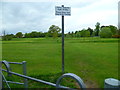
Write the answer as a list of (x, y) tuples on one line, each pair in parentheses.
[(27, 35), (97, 29), (7, 37), (34, 34), (118, 32), (19, 35), (90, 30), (69, 35), (93, 34), (85, 33), (42, 34), (77, 34), (72, 34), (113, 29), (54, 30), (12, 35), (105, 32), (59, 34)]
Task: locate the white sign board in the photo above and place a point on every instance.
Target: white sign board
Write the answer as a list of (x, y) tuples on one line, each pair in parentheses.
[(62, 11)]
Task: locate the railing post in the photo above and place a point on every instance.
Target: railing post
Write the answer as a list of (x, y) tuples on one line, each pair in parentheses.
[(1, 79), (25, 73)]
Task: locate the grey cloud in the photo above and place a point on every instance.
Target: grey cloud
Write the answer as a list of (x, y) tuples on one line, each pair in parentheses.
[(26, 16)]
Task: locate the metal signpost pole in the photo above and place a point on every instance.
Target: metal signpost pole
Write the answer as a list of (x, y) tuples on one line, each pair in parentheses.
[(63, 11), (62, 41), (119, 16)]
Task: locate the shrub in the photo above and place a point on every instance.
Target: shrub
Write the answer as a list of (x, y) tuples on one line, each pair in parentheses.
[(77, 34), (105, 32), (7, 38), (85, 33)]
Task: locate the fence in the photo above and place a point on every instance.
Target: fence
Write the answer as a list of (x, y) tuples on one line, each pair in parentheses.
[(7, 64), (108, 84), (25, 77)]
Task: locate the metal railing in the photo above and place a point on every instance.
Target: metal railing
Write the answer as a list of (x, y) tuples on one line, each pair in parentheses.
[(24, 70), (57, 85)]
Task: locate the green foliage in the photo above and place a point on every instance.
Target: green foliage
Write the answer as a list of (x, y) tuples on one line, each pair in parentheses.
[(72, 34), (118, 32), (54, 30), (59, 34), (27, 35), (68, 36), (90, 30), (85, 33), (105, 32), (7, 37), (113, 29), (35, 34), (19, 35), (78, 34), (97, 29), (48, 35), (93, 34)]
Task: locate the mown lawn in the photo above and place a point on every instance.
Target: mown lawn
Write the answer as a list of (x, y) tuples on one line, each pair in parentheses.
[(93, 59)]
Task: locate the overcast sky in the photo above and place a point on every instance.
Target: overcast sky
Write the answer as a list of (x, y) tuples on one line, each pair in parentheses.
[(33, 15)]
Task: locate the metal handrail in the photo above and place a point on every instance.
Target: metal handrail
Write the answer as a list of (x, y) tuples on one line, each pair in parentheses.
[(15, 82), (5, 80), (34, 79), (7, 66), (23, 63), (15, 63), (57, 85), (73, 76)]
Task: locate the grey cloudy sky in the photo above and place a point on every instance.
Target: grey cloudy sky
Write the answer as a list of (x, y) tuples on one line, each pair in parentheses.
[(34, 15)]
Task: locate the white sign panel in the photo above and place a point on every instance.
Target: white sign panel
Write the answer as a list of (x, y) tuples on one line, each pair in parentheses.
[(62, 11)]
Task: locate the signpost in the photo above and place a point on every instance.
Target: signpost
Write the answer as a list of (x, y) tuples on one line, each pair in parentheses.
[(119, 15), (62, 11)]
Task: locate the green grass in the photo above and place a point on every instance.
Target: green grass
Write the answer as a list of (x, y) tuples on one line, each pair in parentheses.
[(93, 59)]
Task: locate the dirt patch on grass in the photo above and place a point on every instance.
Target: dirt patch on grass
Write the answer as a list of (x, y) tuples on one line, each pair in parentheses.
[(91, 84)]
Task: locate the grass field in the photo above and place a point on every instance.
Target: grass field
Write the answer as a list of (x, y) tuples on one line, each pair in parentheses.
[(93, 59)]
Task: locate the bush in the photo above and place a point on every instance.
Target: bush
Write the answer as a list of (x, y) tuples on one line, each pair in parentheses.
[(77, 34), (105, 32), (7, 38), (85, 33)]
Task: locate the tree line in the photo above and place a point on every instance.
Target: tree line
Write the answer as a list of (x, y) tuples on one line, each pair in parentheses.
[(55, 31), (99, 31)]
